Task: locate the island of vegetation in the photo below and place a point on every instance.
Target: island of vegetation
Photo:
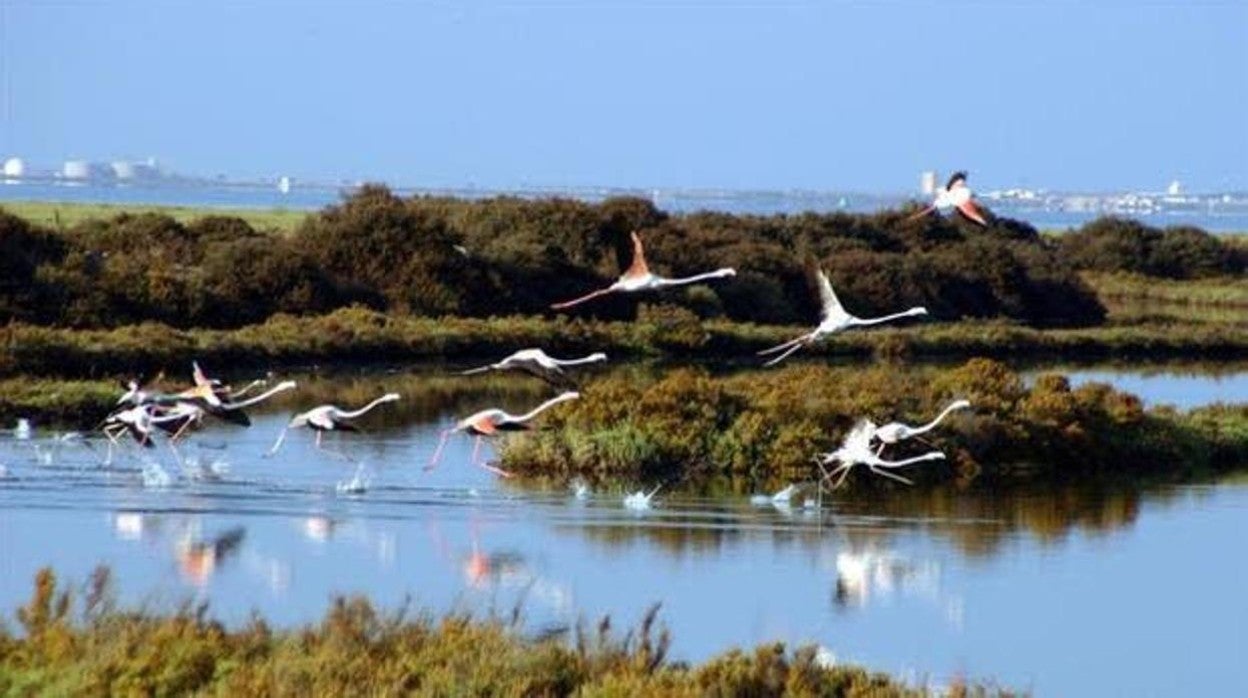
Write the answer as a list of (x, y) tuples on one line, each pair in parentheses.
[(82, 643)]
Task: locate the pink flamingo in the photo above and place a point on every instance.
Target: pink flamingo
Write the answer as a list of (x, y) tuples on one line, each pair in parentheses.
[(638, 277), (489, 423)]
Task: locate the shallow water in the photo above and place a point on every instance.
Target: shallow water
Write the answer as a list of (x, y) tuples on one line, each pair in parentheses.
[(1060, 591), (1181, 386)]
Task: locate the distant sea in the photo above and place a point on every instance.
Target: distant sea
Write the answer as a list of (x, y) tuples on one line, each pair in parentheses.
[(311, 197)]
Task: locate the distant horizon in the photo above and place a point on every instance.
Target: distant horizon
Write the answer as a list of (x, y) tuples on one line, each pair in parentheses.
[(46, 171)]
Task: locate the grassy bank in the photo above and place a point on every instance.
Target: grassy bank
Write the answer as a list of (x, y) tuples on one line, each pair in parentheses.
[(766, 426), (82, 644), (361, 336), (61, 215)]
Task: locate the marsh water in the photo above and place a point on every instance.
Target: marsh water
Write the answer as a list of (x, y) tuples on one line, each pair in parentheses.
[(1061, 591)]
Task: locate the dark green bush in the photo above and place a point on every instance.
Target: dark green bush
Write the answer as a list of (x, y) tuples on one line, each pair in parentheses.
[(1181, 252)]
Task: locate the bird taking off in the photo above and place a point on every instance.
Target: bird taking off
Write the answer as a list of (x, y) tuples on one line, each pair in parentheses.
[(955, 194), (538, 363), (492, 421), (638, 277), (835, 319)]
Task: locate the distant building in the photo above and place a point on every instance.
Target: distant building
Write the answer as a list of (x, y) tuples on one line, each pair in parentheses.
[(283, 184), (927, 183), (14, 168), (128, 170), (1175, 188), (76, 170)]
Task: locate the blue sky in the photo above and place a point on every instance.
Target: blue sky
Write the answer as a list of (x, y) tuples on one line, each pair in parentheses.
[(835, 95)]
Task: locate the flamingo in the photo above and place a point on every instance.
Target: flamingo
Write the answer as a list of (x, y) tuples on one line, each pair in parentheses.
[(856, 449), (957, 195), (835, 318), (638, 277), (328, 418), (489, 423), (894, 432), (538, 363), (220, 389), (192, 410)]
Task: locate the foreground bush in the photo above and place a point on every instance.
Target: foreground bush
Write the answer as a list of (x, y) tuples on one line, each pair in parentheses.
[(356, 650), (766, 426)]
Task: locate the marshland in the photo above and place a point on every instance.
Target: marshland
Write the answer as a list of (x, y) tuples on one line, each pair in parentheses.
[(1104, 367)]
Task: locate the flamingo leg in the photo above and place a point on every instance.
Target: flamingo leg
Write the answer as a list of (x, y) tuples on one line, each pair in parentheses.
[(182, 429), (785, 345), (887, 474), (785, 355), (582, 299), (437, 452), (492, 469), (277, 444), (922, 213), (476, 449)]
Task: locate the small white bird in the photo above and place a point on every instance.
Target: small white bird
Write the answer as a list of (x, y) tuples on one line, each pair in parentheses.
[(835, 318), (538, 363), (957, 195), (638, 277)]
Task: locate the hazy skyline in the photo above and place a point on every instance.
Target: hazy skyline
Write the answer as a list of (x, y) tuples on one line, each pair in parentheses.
[(839, 95)]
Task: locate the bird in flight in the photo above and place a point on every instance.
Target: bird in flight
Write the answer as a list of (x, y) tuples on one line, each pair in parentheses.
[(957, 195), (489, 423), (538, 363), (835, 319), (638, 277)]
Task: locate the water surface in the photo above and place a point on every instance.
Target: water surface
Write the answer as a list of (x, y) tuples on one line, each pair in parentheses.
[(1063, 591)]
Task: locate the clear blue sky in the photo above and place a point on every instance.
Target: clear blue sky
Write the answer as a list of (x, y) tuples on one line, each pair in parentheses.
[(836, 95)]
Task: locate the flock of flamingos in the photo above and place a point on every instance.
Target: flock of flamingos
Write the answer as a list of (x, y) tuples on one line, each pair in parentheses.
[(141, 413)]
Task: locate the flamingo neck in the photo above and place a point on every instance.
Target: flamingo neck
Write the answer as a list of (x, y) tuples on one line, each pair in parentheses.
[(261, 397), (932, 424), (717, 274), (544, 406), (366, 408), (886, 318)]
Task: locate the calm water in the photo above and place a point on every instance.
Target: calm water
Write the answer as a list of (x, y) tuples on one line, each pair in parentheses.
[(1063, 592), (760, 203)]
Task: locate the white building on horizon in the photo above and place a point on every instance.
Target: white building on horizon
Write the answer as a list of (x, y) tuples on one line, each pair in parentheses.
[(14, 169), (927, 183)]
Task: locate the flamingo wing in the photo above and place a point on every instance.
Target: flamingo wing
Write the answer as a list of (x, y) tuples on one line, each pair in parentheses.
[(485, 426), (639, 267), (971, 211), (831, 305), (321, 420)]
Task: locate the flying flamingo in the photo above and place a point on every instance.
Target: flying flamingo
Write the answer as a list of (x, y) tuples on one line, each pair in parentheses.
[(489, 423), (191, 411), (895, 432), (538, 363), (638, 277), (835, 318), (328, 418), (856, 450), (957, 195)]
